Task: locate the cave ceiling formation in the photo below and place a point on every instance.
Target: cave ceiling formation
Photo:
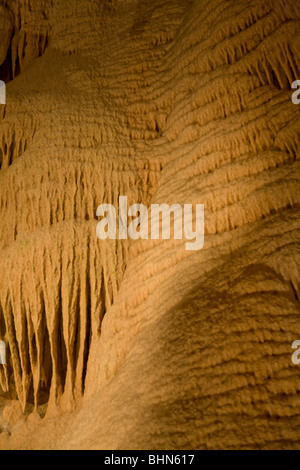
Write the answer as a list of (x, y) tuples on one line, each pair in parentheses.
[(141, 344)]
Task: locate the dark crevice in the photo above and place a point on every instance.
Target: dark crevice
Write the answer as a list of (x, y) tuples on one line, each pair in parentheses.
[(295, 292), (62, 360), (11, 69), (88, 334), (46, 372), (76, 345), (6, 72), (12, 150)]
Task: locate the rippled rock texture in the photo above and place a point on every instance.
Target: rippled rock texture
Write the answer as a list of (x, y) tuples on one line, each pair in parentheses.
[(123, 344)]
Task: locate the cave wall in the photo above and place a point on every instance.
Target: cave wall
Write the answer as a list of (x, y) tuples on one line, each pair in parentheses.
[(142, 344)]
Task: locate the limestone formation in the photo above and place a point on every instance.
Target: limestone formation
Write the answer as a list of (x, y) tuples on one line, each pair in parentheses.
[(141, 344)]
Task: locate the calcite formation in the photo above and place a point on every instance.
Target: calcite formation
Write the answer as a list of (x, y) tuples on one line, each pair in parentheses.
[(141, 344)]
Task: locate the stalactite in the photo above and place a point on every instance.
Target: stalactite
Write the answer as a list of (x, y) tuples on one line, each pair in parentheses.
[(183, 111)]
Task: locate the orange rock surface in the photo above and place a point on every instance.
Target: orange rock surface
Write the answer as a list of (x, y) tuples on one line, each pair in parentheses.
[(124, 344)]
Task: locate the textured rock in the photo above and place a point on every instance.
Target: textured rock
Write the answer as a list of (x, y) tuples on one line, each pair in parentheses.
[(142, 344)]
